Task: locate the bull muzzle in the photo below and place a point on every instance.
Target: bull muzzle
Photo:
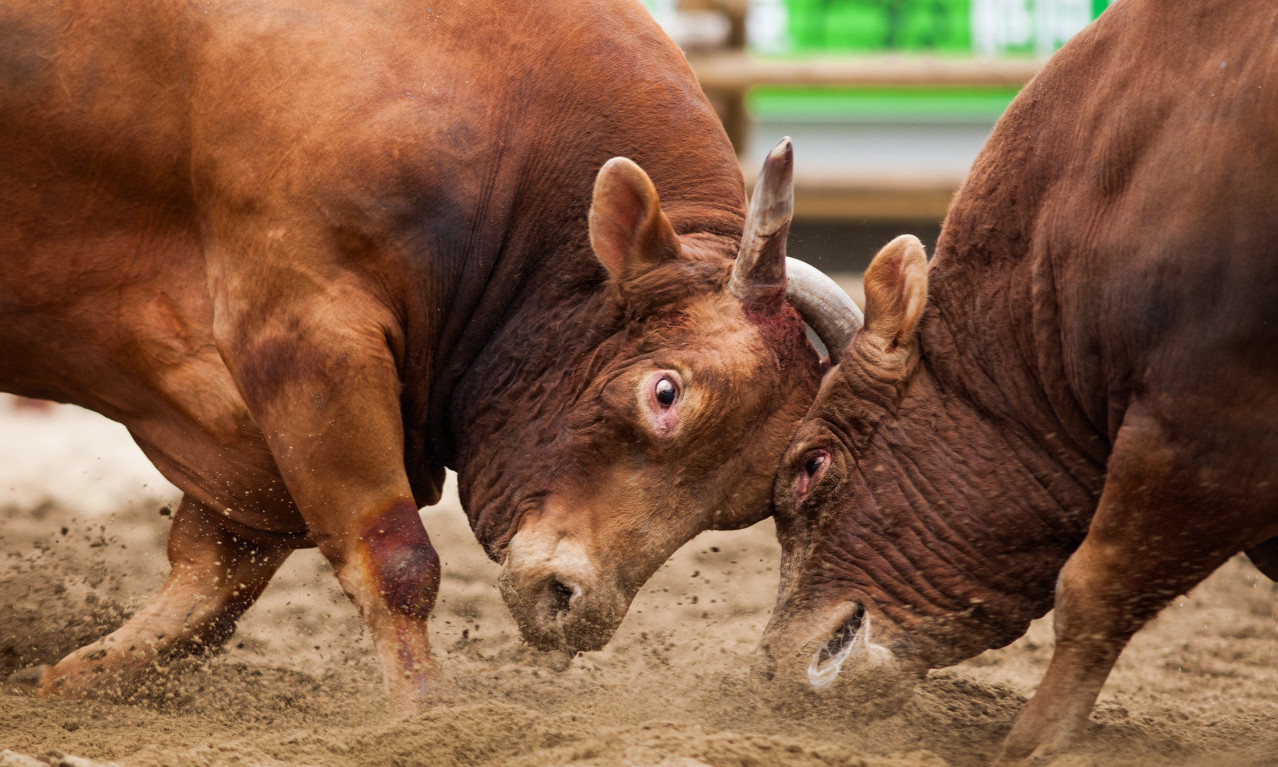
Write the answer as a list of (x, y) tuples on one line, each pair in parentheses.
[(844, 657), (557, 596)]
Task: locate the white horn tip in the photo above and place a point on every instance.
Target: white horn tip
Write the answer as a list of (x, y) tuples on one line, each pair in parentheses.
[(783, 149)]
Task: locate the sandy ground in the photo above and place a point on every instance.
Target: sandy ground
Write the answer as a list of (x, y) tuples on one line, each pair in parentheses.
[(81, 547)]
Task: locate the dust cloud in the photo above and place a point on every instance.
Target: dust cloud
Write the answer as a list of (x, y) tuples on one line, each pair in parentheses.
[(82, 547)]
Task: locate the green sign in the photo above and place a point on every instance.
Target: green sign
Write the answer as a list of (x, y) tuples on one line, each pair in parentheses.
[(961, 28), (977, 27)]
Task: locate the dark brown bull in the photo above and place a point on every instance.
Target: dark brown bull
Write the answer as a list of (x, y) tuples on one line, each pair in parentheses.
[(1076, 405), (312, 254)]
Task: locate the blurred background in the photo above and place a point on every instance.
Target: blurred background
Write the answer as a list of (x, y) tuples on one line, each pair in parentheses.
[(888, 101)]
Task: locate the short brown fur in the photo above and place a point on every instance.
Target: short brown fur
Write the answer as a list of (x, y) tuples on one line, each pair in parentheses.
[(311, 254), (1086, 414)]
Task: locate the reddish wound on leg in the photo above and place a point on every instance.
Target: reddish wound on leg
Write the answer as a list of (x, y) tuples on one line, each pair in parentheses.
[(403, 565)]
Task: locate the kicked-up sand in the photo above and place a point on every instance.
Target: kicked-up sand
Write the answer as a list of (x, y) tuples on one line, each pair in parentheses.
[(82, 534)]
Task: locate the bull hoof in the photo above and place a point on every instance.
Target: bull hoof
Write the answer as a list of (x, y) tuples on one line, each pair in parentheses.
[(1041, 756), (399, 709), (410, 694), (29, 679), (559, 660)]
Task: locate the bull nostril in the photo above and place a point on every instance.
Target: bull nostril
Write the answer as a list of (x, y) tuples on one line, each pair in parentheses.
[(560, 596), (843, 637)]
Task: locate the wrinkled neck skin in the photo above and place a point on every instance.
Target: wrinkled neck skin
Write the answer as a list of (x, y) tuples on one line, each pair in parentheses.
[(515, 397), (494, 226), (954, 518), (518, 440)]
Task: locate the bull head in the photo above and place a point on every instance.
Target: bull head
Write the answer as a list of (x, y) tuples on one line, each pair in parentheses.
[(886, 569), (828, 636), (675, 418)]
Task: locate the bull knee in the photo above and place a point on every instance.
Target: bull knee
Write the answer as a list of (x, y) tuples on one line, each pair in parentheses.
[(400, 565), (1100, 596)]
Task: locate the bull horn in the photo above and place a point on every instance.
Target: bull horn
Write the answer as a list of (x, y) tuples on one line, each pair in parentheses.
[(762, 266), (823, 305), (759, 272)]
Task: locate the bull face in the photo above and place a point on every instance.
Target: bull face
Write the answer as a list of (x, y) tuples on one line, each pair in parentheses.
[(681, 434), (912, 537), (667, 419), (840, 627)]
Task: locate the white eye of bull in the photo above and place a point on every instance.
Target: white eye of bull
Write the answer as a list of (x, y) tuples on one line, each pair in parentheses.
[(815, 462), (665, 392)]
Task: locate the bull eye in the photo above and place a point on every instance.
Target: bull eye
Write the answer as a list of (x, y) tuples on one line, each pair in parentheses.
[(815, 462), (665, 392)]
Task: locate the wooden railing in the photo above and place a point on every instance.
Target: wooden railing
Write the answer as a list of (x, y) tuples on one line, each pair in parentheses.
[(729, 72)]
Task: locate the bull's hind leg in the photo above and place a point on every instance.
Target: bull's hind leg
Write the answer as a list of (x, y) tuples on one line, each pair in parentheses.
[(1157, 533), (215, 576)]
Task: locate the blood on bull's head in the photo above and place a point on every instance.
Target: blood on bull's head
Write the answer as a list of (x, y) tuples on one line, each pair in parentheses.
[(668, 417)]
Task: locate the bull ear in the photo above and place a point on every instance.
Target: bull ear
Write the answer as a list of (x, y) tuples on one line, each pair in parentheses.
[(896, 290), (628, 231)]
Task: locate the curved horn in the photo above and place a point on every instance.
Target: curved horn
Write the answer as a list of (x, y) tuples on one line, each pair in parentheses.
[(762, 265), (759, 271), (823, 305)]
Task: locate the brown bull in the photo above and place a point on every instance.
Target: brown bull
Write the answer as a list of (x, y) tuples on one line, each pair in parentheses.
[(311, 254), (1076, 404)]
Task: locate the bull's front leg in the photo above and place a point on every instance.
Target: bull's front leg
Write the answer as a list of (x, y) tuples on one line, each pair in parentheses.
[(391, 573), (326, 395), (215, 576), (1126, 570)]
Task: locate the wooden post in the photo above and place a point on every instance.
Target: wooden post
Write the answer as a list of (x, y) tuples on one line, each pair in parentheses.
[(729, 102)]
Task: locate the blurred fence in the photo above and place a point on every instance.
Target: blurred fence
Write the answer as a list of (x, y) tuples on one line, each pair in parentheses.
[(888, 100)]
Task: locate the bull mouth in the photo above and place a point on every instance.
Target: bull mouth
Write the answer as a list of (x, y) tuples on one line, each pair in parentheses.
[(827, 661), (557, 596)]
